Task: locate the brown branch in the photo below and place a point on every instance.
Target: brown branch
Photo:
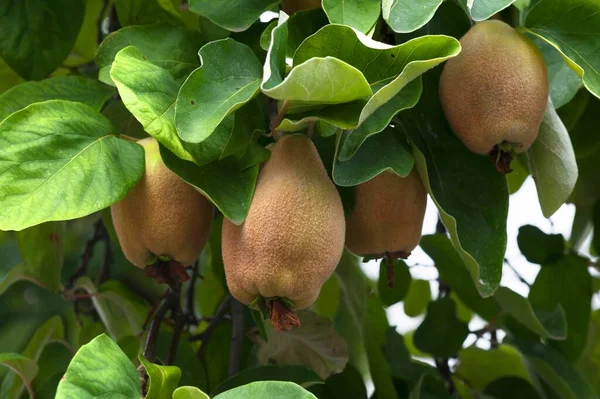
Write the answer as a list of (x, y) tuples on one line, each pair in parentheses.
[(191, 294), (237, 336), (88, 252), (521, 278), (108, 257), (212, 326), (177, 331), (444, 369)]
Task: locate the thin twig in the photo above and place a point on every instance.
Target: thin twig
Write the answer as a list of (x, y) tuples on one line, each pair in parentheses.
[(177, 331), (444, 369), (99, 21), (214, 323), (108, 257), (237, 336), (191, 294), (521, 278), (150, 345), (87, 253), (276, 121)]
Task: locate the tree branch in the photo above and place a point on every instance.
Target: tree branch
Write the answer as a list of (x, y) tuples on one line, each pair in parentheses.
[(444, 369), (191, 294), (521, 278), (237, 336), (214, 323), (87, 253)]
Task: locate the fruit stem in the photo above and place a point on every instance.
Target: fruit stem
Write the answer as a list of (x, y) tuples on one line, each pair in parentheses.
[(391, 273), (283, 318), (502, 159), (276, 121)]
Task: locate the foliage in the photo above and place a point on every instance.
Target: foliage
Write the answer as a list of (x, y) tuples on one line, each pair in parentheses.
[(213, 82)]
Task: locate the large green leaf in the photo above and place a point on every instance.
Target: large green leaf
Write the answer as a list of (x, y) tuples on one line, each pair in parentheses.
[(300, 375), (188, 392), (393, 154), (552, 163), (480, 367), (589, 363), (38, 34), (142, 12), (484, 9), (380, 119), (71, 88), (267, 389), (454, 177), (417, 298), (556, 371), (41, 249), (570, 26), (551, 323), (100, 369), (172, 48), (407, 16), (402, 282), (441, 334), (235, 16), (228, 78), (564, 82), (162, 379), (359, 14), (396, 66), (452, 272), (222, 182), (60, 160), (568, 284)]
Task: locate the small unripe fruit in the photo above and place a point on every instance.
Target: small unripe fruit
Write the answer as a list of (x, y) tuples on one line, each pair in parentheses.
[(387, 218), (162, 217), (494, 93), (291, 6), (293, 237)]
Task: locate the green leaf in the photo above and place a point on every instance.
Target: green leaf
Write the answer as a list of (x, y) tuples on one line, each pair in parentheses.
[(375, 331), (539, 247), (69, 175), (222, 182), (149, 92), (484, 9), (316, 345), (189, 393), (300, 375), (194, 371), (123, 121), (142, 12), (417, 298), (441, 333), (51, 331), (71, 88), (564, 82), (511, 388), (552, 163), (452, 272), (267, 389), (346, 385), (111, 314), (24, 367), (41, 249), (99, 369), (39, 34), (396, 66), (589, 362), (550, 324), (133, 308), (234, 16), (15, 274), (408, 16), (87, 41), (328, 301), (380, 119), (8, 77), (359, 14), (172, 48), (569, 285), (228, 78), (163, 379), (480, 367), (402, 282), (556, 371), (393, 153), (454, 177), (569, 27)]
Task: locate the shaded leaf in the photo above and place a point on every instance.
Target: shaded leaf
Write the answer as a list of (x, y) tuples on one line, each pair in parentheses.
[(407, 16), (142, 12), (417, 298), (539, 247), (484, 9), (24, 367), (29, 46), (511, 388), (234, 16), (441, 333), (71, 88), (359, 14)]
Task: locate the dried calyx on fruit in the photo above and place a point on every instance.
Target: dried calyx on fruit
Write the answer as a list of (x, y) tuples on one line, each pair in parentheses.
[(163, 222), (387, 218), (495, 92), (293, 237)]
